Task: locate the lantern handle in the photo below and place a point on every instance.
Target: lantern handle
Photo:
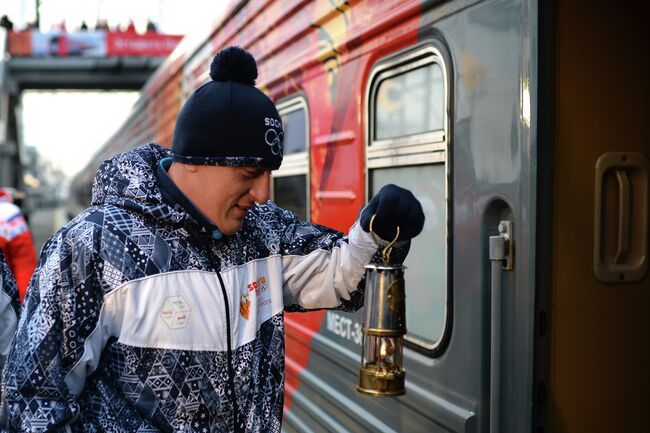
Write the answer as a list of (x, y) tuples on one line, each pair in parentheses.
[(385, 254)]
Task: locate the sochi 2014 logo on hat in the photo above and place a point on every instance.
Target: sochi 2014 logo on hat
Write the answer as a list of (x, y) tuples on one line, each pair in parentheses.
[(273, 137)]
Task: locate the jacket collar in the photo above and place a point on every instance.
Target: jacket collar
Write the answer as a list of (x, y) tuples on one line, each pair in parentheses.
[(172, 194)]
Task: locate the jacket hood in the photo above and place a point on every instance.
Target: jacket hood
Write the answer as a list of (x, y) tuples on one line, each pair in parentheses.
[(128, 180)]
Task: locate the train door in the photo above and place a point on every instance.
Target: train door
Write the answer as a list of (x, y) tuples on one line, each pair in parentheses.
[(599, 287)]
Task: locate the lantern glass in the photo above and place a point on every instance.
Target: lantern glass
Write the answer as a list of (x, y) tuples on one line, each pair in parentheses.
[(381, 372), (383, 354)]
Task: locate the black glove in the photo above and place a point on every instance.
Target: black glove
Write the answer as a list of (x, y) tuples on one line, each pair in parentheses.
[(393, 206)]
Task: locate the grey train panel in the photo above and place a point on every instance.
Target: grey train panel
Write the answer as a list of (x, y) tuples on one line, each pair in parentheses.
[(491, 47)]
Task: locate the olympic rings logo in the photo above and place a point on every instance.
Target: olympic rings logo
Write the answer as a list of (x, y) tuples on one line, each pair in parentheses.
[(274, 139)]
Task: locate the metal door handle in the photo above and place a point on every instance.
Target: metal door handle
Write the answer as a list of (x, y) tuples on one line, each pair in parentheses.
[(501, 253), (621, 224), (623, 245)]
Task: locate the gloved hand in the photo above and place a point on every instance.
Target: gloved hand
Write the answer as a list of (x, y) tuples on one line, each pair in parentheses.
[(393, 206)]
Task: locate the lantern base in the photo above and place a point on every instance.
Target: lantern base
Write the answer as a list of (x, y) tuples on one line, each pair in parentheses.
[(381, 384)]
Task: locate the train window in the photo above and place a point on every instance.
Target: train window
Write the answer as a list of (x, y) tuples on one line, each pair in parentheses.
[(295, 131), (410, 103), (407, 146), (290, 186), (291, 194)]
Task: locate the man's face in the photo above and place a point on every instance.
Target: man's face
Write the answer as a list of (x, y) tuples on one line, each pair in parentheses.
[(224, 194)]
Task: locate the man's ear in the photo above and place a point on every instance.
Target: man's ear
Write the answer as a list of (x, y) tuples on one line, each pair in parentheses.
[(191, 168)]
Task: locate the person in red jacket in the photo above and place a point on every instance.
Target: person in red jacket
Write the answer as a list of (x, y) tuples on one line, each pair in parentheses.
[(16, 242)]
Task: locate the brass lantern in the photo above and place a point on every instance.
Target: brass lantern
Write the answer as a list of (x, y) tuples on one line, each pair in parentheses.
[(383, 329)]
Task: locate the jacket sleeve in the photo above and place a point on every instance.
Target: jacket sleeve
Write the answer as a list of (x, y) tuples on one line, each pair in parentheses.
[(9, 305), (61, 308), (323, 268)]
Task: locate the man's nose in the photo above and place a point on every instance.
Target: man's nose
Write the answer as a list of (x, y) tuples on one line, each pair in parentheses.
[(260, 191)]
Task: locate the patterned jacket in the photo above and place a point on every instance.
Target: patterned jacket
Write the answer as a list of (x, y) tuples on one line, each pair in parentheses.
[(138, 320), (9, 305)]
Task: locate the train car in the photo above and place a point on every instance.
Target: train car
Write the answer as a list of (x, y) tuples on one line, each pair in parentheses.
[(518, 123)]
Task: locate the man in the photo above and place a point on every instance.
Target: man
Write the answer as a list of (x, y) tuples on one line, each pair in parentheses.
[(142, 317), (9, 305), (16, 241)]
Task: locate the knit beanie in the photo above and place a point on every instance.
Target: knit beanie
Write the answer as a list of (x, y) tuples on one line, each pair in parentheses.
[(228, 121)]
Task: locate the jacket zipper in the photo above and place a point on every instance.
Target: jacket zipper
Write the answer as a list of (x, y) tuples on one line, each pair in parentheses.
[(231, 369)]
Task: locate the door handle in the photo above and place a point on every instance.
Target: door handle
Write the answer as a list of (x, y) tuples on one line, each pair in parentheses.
[(501, 254), (623, 243), (621, 238)]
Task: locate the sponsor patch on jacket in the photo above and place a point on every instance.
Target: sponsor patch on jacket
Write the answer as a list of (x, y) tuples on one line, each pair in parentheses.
[(175, 312), (258, 286), (256, 291), (245, 305)]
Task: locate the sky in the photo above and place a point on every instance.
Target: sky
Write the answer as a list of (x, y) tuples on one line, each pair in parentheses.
[(69, 127)]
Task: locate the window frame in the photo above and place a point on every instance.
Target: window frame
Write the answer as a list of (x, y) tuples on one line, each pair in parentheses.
[(426, 148), (295, 163)]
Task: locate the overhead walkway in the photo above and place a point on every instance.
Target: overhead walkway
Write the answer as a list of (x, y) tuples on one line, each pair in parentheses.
[(127, 73), (59, 60)]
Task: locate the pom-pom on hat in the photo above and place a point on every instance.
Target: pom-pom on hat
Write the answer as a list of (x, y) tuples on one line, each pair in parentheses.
[(228, 121)]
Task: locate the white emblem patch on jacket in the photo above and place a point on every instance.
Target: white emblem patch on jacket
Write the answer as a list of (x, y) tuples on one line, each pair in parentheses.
[(175, 312)]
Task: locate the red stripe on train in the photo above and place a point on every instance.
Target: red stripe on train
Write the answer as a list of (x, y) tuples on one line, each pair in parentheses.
[(300, 329)]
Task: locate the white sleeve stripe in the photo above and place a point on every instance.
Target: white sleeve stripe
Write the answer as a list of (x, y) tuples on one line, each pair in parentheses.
[(322, 278), (8, 323), (75, 380)]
